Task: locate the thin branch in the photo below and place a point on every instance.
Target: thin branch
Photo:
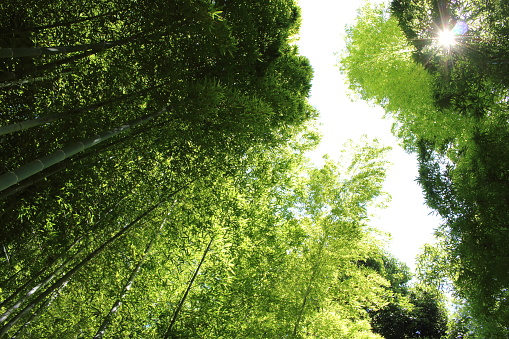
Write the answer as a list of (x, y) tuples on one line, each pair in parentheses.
[(183, 299)]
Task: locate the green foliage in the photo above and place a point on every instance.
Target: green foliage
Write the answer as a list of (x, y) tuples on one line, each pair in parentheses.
[(413, 311), (205, 221), (379, 63), (379, 67), (419, 315), (271, 261), (454, 116)]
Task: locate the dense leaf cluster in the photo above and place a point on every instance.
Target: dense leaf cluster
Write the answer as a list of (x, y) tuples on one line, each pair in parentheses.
[(413, 311), (154, 183), (450, 107)]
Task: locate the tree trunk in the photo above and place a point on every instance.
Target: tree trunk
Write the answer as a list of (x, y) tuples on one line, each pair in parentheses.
[(11, 178), (183, 299)]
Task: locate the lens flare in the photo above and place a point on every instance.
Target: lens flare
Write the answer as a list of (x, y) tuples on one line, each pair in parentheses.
[(460, 28), (446, 38)]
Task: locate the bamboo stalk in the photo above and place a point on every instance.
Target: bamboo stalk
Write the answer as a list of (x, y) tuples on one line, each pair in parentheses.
[(59, 24), (34, 290), (114, 309), (13, 177), (65, 278), (184, 297), (5, 302), (22, 125)]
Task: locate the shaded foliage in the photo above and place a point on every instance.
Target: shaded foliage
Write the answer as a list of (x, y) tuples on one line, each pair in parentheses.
[(458, 131), (205, 220), (413, 310)]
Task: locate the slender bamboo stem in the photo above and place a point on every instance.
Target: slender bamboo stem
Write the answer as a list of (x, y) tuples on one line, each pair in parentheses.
[(27, 81), (65, 278), (101, 47), (35, 314), (309, 288), (35, 277), (6, 76), (108, 318), (59, 24), (34, 290), (36, 51), (184, 297), (41, 176), (22, 125), (13, 177)]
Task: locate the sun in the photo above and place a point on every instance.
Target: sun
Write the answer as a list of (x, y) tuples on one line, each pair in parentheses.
[(446, 38)]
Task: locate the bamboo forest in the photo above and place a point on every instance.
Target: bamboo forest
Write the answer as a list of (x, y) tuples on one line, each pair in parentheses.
[(154, 178)]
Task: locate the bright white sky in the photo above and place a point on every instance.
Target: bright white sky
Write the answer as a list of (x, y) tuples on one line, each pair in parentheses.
[(321, 36)]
